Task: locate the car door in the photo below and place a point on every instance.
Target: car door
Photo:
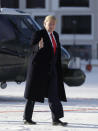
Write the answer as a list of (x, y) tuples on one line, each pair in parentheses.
[(14, 48)]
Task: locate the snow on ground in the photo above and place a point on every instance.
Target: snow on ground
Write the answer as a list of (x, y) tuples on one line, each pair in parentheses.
[(81, 110)]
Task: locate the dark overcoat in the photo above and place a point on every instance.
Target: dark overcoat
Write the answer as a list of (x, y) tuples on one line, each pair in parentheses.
[(39, 73)]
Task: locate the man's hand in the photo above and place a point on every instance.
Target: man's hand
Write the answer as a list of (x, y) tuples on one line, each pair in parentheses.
[(41, 43)]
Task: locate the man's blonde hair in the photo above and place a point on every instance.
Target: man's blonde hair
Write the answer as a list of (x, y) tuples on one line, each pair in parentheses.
[(49, 17)]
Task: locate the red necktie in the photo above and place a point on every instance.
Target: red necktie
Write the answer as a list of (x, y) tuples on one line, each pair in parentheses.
[(53, 42)]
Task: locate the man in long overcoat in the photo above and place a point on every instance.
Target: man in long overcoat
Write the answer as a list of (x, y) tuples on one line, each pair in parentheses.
[(44, 77)]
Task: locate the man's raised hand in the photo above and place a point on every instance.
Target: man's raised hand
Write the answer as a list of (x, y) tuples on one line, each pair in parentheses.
[(41, 43)]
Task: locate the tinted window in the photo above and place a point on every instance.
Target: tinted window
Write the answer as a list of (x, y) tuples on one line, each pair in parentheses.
[(22, 31), (18, 23), (24, 27), (73, 3), (76, 24), (40, 20), (33, 24), (6, 29)]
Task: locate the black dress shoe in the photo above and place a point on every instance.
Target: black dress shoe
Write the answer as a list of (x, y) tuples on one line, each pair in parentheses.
[(29, 122), (59, 123)]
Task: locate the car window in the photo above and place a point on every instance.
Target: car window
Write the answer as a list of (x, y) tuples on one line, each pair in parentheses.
[(25, 27), (32, 23), (23, 32), (18, 22), (6, 30)]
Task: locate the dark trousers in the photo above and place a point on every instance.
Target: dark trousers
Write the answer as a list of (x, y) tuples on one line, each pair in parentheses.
[(53, 99), (28, 112)]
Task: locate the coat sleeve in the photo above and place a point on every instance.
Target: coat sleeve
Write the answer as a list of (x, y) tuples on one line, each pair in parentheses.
[(35, 41), (36, 53)]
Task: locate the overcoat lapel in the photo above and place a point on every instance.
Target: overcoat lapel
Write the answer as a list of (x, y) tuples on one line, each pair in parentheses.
[(49, 43)]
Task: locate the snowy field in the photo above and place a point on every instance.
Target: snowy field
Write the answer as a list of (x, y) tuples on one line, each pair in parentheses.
[(81, 110)]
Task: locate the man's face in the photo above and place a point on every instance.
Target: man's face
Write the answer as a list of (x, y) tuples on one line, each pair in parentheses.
[(50, 25)]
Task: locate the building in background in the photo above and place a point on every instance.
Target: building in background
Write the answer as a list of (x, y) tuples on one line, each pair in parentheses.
[(77, 22)]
